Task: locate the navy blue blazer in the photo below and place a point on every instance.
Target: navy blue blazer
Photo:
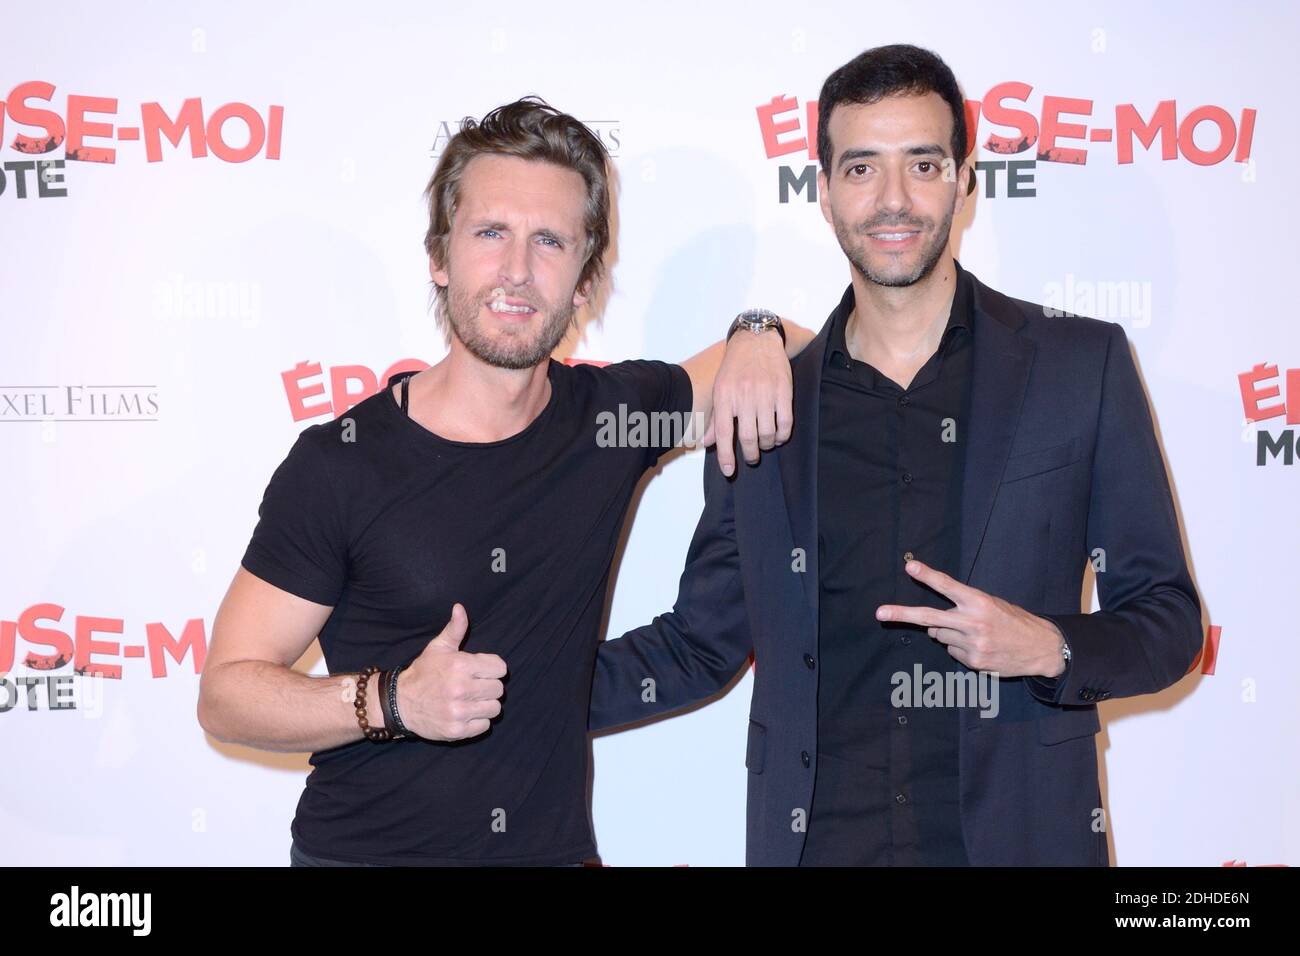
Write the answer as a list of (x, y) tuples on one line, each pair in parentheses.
[(1062, 460)]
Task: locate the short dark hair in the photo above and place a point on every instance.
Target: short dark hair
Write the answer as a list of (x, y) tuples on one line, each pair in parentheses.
[(529, 128), (899, 69)]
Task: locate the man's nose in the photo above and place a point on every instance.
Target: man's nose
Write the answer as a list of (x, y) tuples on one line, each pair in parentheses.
[(894, 197), (516, 264)]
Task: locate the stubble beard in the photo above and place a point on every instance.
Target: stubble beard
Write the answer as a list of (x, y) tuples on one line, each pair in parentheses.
[(511, 348), (853, 239)]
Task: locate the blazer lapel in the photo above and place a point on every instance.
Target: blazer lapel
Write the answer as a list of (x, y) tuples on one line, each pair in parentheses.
[(798, 460), (999, 374)]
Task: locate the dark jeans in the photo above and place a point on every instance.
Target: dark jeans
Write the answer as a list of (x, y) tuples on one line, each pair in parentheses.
[(299, 858)]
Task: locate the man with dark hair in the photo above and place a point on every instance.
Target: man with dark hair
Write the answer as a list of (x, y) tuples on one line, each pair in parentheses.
[(956, 458), (482, 492), (897, 70)]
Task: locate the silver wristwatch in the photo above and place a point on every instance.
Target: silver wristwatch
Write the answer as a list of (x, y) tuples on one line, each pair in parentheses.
[(756, 320)]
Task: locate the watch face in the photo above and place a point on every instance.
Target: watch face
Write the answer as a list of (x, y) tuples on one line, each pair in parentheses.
[(757, 316)]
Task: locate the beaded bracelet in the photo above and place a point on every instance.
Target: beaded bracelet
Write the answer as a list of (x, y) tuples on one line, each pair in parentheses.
[(376, 734)]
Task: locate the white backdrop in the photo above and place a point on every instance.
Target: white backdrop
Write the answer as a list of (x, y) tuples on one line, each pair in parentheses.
[(162, 320)]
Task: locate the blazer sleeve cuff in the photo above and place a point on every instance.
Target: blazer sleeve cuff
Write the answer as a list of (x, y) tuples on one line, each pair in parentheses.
[(1051, 690)]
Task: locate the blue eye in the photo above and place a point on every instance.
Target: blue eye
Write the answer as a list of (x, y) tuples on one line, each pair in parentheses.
[(484, 232)]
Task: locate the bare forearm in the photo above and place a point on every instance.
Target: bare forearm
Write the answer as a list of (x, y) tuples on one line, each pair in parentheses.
[(272, 707), (797, 338), (703, 369)]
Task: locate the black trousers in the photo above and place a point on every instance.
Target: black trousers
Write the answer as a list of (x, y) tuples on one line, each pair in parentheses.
[(299, 858)]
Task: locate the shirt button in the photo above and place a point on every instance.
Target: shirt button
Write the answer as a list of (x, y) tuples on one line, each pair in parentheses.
[(902, 719), (906, 639), (904, 401), (907, 477), (900, 799), (805, 759), (907, 556), (812, 664)]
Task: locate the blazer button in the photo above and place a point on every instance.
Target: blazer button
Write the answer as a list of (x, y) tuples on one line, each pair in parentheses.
[(812, 664), (805, 759)]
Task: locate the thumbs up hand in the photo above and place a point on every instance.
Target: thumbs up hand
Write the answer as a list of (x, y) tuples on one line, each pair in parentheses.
[(447, 693)]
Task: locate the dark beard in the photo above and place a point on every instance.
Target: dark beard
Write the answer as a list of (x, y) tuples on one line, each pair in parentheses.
[(929, 260), (515, 352)]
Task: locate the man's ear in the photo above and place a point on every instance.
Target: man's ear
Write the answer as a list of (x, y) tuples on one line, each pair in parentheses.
[(823, 195), (438, 274), (964, 178), (581, 293)]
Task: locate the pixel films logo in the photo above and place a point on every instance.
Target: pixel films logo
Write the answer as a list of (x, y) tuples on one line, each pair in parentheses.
[(87, 139), (609, 132), (78, 403), (1261, 401), (787, 129)]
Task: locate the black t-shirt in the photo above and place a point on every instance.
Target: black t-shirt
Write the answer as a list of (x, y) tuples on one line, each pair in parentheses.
[(391, 524)]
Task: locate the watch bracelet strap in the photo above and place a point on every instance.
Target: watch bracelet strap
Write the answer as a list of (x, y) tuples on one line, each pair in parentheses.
[(736, 326)]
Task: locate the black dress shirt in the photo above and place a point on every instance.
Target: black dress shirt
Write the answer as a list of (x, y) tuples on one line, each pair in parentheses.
[(890, 463)]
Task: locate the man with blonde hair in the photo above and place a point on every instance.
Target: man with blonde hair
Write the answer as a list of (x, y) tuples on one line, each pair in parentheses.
[(476, 493)]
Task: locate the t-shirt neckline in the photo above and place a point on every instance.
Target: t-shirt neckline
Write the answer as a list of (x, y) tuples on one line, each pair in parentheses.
[(427, 435)]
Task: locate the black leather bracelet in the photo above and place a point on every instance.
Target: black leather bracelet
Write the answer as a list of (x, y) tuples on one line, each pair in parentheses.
[(391, 714)]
